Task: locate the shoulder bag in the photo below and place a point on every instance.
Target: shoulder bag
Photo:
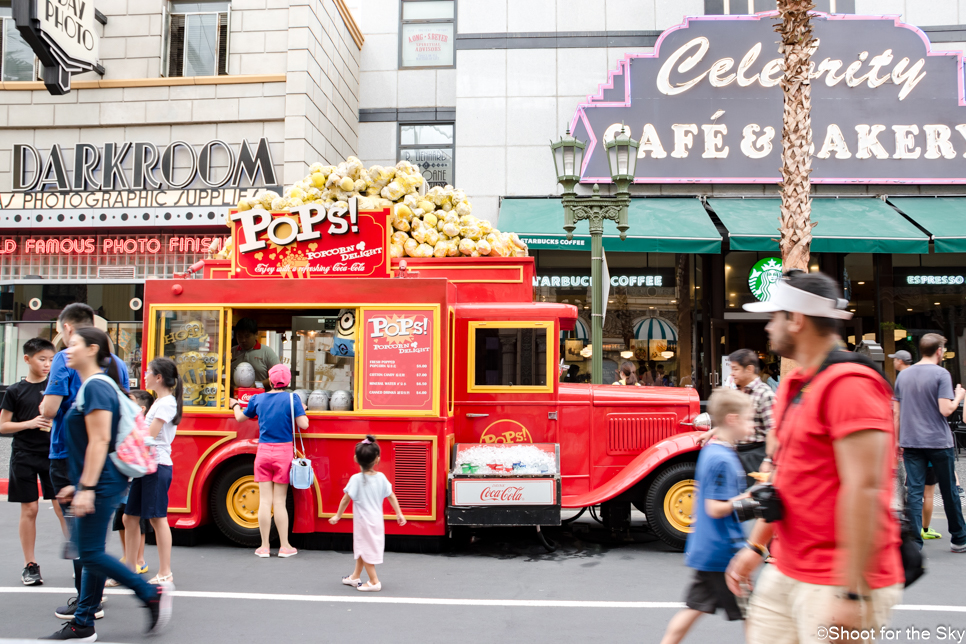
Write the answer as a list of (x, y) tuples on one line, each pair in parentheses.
[(301, 475)]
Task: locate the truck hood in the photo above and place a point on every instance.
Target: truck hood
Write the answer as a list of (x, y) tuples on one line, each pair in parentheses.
[(616, 395)]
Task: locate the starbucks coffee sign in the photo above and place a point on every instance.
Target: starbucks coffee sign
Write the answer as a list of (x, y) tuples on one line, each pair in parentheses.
[(61, 33), (764, 275), (706, 105)]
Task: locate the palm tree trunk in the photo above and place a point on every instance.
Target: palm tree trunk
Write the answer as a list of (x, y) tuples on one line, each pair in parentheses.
[(796, 227), (796, 210)]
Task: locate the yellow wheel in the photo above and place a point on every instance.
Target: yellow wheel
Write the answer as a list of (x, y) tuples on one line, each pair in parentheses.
[(679, 505), (233, 502), (242, 502), (669, 503)]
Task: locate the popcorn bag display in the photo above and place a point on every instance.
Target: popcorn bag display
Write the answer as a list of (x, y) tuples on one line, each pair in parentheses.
[(426, 223)]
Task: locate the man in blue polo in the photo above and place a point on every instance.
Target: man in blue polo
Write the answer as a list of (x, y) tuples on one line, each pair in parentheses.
[(62, 387)]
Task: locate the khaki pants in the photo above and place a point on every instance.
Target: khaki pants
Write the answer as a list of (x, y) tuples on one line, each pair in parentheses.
[(783, 610)]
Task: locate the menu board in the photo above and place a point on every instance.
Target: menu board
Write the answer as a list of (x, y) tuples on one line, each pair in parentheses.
[(398, 358)]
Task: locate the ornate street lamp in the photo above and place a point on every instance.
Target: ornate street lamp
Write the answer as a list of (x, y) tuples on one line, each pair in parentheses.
[(568, 156)]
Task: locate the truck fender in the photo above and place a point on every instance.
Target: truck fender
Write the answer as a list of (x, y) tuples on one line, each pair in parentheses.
[(203, 477), (645, 463)]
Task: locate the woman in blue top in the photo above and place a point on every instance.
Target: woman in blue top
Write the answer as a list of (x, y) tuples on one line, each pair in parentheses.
[(97, 487), (276, 448)]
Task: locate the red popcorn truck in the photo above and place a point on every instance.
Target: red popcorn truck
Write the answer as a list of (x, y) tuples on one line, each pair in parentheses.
[(447, 361)]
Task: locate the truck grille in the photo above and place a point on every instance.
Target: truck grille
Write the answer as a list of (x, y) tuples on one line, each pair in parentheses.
[(411, 468), (633, 433)]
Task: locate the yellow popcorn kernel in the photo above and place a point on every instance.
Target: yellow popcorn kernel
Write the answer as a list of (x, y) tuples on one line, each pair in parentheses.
[(467, 246), (347, 184), (410, 247), (427, 205), (483, 247), (318, 180), (399, 237), (424, 250), (395, 250)]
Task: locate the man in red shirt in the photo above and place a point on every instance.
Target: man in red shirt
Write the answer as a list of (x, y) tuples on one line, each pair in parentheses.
[(836, 547)]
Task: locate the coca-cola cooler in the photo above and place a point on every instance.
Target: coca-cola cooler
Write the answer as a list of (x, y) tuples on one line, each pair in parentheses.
[(504, 484)]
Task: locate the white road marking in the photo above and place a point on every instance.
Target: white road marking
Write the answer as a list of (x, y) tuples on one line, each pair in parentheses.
[(425, 601)]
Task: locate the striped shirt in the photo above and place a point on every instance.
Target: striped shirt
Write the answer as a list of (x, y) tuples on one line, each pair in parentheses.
[(762, 399)]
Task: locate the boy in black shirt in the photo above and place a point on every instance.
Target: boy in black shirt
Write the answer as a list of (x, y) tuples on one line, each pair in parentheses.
[(20, 416)]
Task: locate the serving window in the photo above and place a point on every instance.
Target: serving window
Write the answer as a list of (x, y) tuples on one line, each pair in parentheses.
[(193, 338), (510, 356)]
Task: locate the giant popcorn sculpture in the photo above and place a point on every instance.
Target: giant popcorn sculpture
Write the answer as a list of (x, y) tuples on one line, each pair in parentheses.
[(426, 223)]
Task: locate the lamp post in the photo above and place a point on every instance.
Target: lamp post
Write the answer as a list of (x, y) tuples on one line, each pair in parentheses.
[(568, 157)]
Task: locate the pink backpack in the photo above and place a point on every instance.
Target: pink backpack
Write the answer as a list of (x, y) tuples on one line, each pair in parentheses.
[(134, 452)]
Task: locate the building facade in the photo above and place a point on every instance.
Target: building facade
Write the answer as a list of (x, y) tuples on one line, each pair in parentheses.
[(219, 98)]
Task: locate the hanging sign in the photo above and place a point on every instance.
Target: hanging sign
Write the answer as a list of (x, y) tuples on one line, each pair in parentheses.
[(707, 105), (397, 369), (311, 241), (763, 277), (61, 33)]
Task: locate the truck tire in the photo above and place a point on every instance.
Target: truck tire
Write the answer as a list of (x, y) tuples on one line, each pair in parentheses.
[(669, 504), (234, 503)]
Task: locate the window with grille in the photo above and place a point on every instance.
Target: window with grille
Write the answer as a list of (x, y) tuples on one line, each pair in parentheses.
[(196, 38), (17, 60), (430, 148), (427, 30)]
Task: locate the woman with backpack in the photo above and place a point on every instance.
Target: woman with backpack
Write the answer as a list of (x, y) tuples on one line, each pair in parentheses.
[(277, 412), (148, 498), (92, 426)]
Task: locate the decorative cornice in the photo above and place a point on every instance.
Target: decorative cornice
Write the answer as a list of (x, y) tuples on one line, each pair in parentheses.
[(107, 83), (350, 23)]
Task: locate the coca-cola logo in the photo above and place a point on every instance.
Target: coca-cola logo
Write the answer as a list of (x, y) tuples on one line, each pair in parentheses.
[(502, 494)]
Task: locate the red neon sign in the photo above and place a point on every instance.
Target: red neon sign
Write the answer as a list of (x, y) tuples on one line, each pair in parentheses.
[(140, 245)]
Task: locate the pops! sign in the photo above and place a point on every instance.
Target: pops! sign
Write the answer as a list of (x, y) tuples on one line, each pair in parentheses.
[(311, 241)]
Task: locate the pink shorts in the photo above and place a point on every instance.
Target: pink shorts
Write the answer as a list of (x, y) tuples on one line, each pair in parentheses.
[(273, 462)]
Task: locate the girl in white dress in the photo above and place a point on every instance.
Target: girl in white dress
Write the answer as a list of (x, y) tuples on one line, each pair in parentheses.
[(367, 490)]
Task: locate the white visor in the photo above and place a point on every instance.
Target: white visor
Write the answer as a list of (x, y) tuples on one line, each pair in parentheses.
[(788, 298)]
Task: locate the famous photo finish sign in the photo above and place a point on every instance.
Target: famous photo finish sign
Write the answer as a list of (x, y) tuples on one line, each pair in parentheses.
[(311, 242), (707, 105)]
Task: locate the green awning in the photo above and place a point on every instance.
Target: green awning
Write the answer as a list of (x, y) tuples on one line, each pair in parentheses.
[(943, 217), (865, 225), (656, 226)]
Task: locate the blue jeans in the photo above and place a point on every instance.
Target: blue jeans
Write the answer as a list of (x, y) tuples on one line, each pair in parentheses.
[(90, 535), (944, 465)]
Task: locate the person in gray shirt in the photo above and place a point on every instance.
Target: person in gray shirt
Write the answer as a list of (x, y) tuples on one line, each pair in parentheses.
[(924, 397)]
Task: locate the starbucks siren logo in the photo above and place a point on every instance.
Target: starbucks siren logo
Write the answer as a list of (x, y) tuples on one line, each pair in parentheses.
[(763, 277)]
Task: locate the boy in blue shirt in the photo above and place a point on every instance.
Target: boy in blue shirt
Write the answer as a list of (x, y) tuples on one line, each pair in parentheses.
[(63, 383), (717, 534)]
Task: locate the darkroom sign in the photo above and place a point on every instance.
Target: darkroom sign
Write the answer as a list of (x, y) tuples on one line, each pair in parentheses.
[(707, 105)]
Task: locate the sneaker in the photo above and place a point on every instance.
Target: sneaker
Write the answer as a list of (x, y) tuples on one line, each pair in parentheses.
[(960, 548), (929, 533), (160, 608), (67, 612), (31, 575), (72, 631), (959, 488)]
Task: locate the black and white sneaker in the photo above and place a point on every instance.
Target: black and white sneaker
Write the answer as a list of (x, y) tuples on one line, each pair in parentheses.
[(72, 631), (67, 612), (960, 548), (31, 575), (160, 608)]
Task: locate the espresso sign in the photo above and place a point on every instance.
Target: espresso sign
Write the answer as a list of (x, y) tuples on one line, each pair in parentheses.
[(706, 106)]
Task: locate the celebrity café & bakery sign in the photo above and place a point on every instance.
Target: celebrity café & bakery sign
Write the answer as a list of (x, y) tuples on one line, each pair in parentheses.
[(706, 106)]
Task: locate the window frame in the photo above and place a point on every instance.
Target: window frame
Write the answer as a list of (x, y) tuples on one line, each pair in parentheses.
[(402, 22), (3, 53), (153, 336), (166, 16), (426, 146), (547, 325)]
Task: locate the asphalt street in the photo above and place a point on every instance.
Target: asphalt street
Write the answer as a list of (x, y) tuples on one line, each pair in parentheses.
[(503, 587)]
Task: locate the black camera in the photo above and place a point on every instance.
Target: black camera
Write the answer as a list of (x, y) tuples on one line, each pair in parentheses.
[(765, 503)]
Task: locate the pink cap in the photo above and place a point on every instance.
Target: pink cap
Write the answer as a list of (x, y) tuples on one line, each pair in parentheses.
[(280, 375)]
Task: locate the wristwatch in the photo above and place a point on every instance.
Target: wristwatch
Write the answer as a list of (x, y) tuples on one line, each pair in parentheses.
[(84, 488), (854, 597), (757, 548), (236, 405)]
